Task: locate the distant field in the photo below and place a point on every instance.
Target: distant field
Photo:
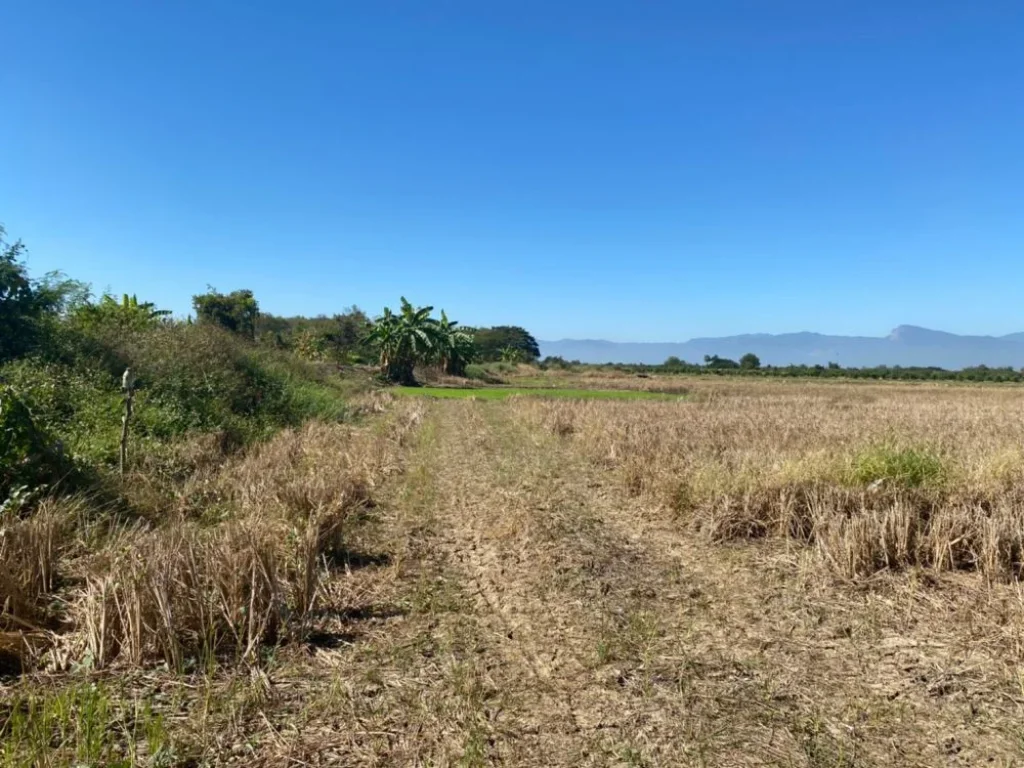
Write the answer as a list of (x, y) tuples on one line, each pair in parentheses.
[(501, 393)]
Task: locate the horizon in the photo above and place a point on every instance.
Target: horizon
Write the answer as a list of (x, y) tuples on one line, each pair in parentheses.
[(793, 333), (605, 172)]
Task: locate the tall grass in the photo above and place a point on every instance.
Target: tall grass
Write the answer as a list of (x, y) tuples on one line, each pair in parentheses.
[(200, 590)]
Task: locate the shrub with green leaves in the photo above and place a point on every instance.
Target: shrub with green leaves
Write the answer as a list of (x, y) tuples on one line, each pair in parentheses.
[(26, 453)]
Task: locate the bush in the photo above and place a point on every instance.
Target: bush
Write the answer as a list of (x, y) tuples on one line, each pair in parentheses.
[(190, 379), (27, 454)]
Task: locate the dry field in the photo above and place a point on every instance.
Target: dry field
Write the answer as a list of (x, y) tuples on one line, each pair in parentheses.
[(762, 574)]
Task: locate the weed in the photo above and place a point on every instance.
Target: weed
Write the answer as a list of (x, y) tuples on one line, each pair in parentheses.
[(897, 467)]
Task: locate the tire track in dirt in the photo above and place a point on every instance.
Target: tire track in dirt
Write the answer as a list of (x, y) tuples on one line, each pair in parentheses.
[(600, 618)]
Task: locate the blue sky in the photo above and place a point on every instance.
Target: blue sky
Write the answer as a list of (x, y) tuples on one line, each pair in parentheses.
[(621, 170)]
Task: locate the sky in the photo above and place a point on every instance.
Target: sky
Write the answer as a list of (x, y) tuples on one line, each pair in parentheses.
[(633, 171)]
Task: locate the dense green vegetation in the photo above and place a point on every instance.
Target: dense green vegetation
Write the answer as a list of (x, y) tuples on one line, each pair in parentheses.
[(63, 354), (234, 370), (509, 343)]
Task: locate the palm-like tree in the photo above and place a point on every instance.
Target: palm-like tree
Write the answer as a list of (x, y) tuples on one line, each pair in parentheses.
[(455, 348), (511, 354), (403, 340), (128, 314)]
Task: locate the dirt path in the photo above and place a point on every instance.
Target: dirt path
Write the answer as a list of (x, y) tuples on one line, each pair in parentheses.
[(592, 624), (532, 613)]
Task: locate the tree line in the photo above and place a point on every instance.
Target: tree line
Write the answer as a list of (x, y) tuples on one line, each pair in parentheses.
[(750, 365), (396, 341)]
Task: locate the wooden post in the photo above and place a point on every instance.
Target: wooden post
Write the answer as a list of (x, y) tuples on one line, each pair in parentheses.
[(128, 386)]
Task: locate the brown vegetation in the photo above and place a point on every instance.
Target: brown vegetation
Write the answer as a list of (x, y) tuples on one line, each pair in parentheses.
[(784, 574), (234, 562), (873, 476)]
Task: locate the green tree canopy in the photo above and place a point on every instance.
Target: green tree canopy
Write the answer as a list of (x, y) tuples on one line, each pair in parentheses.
[(403, 340), (750, 362), (492, 343), (455, 348), (26, 305), (237, 311), (716, 362), (127, 314)]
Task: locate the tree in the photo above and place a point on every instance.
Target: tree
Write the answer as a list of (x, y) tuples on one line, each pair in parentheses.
[(236, 311), (129, 314), (351, 328), (455, 349), (27, 305), (719, 363), (750, 362), (403, 340), (490, 342)]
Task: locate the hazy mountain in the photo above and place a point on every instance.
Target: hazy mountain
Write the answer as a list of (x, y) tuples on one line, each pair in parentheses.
[(907, 345)]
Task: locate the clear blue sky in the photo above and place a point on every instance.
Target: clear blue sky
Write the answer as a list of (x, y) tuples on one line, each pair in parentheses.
[(622, 170)]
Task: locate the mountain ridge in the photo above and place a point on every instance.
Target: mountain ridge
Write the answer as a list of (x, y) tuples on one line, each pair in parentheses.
[(906, 345)]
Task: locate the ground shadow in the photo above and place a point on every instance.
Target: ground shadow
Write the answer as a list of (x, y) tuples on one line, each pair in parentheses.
[(354, 560)]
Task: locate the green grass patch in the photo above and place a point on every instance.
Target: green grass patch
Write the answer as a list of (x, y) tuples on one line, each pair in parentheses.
[(903, 467), (501, 393)]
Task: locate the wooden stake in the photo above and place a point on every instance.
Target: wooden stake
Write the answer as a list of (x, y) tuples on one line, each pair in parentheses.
[(128, 385)]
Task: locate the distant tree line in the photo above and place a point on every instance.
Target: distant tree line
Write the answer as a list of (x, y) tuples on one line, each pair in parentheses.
[(750, 365)]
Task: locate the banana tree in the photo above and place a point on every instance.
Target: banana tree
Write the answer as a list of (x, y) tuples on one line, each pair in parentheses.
[(511, 355), (403, 340), (455, 348), (129, 313)]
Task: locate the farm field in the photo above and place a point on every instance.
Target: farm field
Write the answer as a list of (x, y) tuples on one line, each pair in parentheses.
[(760, 574), (502, 393)]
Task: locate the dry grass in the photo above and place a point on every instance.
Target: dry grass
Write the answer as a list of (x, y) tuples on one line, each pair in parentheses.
[(602, 631), (234, 563), (185, 593), (874, 476), (539, 585)]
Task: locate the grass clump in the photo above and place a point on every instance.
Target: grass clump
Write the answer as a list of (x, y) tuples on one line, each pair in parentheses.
[(899, 467), (82, 724)]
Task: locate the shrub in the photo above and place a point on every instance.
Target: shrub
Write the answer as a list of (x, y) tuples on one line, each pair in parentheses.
[(27, 453), (190, 379), (478, 372)]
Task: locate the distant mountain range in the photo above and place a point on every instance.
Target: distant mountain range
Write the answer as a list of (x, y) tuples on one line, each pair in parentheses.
[(907, 345)]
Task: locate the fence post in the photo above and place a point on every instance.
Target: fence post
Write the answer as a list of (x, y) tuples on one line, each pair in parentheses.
[(128, 387)]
